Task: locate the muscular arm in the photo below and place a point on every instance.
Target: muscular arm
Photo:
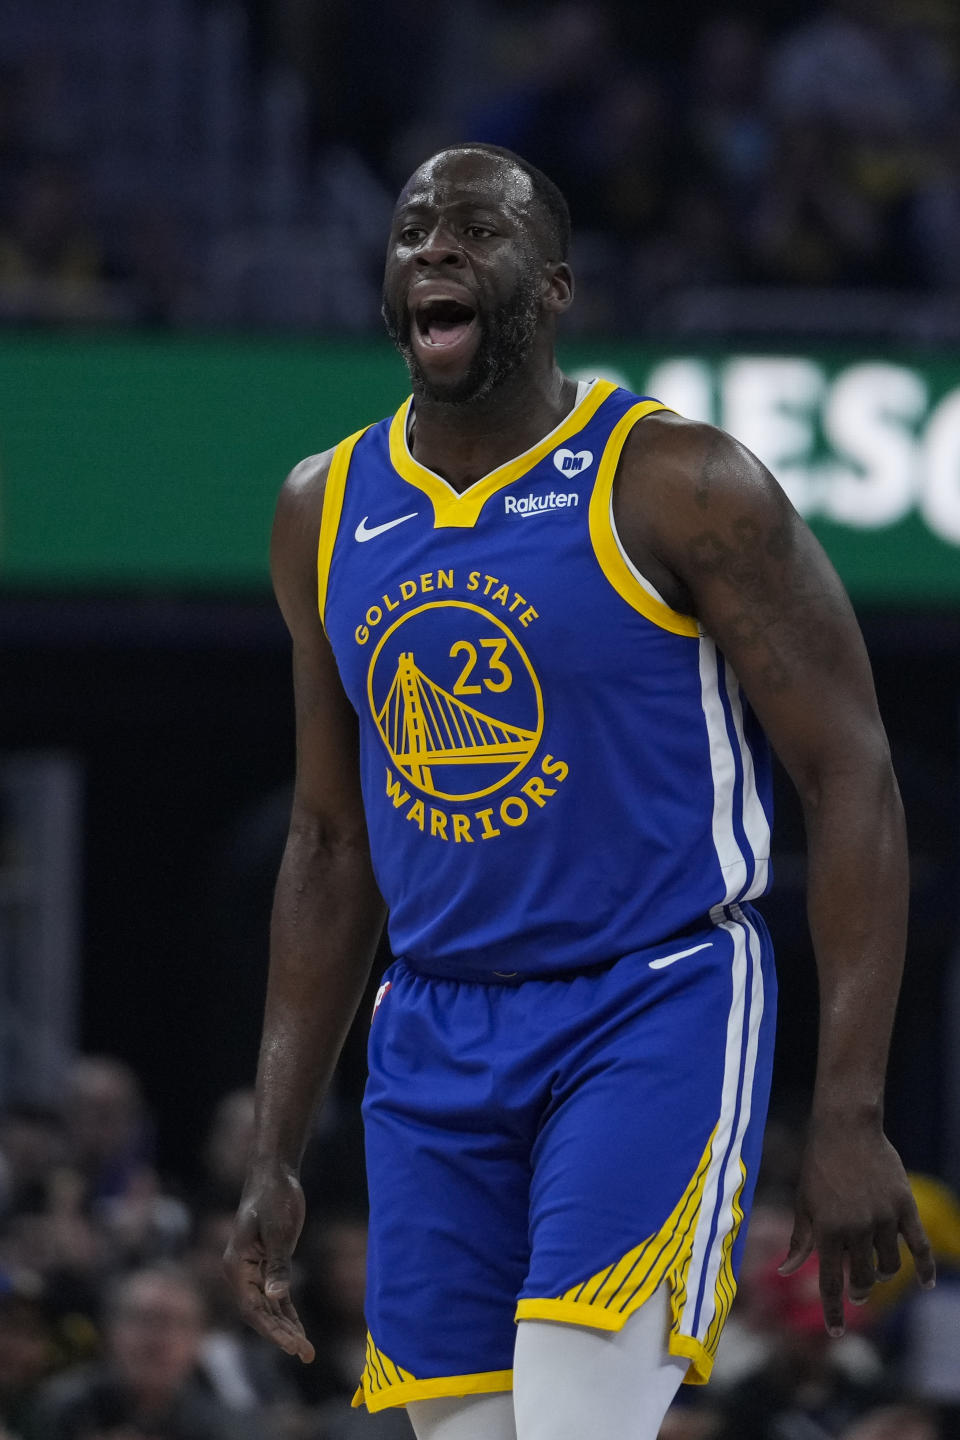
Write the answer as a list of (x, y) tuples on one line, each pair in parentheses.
[(327, 917), (711, 526)]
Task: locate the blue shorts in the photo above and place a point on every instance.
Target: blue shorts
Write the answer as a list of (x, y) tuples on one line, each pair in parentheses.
[(556, 1149)]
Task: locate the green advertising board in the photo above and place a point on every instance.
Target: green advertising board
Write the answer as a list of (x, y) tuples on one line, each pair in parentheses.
[(154, 462)]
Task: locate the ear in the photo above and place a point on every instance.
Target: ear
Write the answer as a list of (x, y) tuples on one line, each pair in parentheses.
[(558, 289)]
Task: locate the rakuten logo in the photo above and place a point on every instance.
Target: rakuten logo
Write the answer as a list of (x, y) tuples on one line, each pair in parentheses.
[(538, 504)]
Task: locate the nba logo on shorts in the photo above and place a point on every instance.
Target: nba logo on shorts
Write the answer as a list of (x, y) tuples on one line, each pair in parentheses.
[(380, 994)]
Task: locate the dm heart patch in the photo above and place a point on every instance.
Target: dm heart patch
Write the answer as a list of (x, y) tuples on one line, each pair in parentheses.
[(569, 463)]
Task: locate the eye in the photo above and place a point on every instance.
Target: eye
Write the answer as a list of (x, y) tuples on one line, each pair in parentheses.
[(478, 232), (412, 234)]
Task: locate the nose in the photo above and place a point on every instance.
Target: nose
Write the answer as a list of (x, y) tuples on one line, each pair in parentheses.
[(440, 248)]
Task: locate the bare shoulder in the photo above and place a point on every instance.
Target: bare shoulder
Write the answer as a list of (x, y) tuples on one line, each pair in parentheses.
[(689, 463), (690, 501), (301, 494), (718, 522), (296, 533)]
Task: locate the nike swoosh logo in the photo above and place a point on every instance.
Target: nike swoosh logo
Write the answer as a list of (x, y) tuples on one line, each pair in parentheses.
[(680, 955), (363, 532)]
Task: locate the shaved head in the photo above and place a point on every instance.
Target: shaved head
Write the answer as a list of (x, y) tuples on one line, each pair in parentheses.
[(545, 201)]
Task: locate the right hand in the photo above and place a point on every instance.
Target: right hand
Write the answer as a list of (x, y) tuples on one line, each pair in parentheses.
[(257, 1258)]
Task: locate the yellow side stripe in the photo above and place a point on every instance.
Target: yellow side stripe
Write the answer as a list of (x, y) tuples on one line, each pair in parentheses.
[(333, 494), (605, 546), (665, 1256), (600, 1279), (378, 1375), (620, 1289), (687, 1219), (664, 1262), (606, 1285), (726, 1287), (378, 1391)]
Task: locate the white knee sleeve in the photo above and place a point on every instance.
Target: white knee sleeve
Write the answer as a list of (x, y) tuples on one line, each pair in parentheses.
[(570, 1383), (574, 1383), (468, 1417)]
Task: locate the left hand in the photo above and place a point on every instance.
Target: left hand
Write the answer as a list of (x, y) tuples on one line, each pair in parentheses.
[(853, 1203)]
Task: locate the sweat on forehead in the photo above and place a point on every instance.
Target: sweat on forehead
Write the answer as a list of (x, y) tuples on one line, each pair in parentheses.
[(473, 171)]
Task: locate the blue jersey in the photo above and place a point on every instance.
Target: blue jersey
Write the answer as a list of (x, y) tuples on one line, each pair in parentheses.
[(558, 769)]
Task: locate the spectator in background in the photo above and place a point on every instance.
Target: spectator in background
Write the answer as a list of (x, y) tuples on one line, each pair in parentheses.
[(147, 1387), (872, 79), (226, 1148), (333, 1256), (896, 1422), (811, 225), (29, 1350), (110, 1135), (806, 1384), (729, 122), (51, 265), (32, 1146), (54, 1237), (240, 1370), (926, 1341), (556, 68), (868, 69), (111, 1148)]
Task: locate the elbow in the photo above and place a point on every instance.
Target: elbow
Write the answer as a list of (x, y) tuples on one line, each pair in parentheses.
[(861, 771), (330, 838)]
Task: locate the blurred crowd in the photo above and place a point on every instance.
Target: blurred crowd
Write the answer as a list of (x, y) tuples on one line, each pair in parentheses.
[(116, 1322), (234, 162)]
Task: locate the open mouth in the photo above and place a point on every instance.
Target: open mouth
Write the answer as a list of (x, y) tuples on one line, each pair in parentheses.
[(442, 323)]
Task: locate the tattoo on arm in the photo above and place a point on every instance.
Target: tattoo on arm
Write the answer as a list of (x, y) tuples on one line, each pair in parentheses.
[(773, 598)]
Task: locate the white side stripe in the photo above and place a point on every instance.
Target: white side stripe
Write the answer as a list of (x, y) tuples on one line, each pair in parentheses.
[(723, 1173), (700, 1256), (732, 1175), (733, 867), (755, 823), (666, 960)]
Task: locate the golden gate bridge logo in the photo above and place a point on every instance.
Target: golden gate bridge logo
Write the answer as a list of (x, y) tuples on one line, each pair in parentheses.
[(443, 743)]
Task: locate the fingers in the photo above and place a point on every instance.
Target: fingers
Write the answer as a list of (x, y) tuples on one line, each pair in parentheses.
[(801, 1246), (276, 1278), (919, 1246), (862, 1270), (831, 1286), (888, 1250), (279, 1322), (871, 1255), (262, 1290), (272, 1316)]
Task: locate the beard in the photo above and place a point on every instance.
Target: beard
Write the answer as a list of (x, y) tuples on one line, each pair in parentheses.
[(506, 340)]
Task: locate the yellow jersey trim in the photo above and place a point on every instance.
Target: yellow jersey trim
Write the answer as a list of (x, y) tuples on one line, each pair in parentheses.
[(462, 510), (609, 1298), (333, 493), (605, 546), (385, 1384), (701, 1362)]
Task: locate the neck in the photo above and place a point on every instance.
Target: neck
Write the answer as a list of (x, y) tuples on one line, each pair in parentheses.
[(465, 442)]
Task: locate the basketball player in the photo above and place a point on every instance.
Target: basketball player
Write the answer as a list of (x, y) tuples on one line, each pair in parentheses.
[(537, 627)]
